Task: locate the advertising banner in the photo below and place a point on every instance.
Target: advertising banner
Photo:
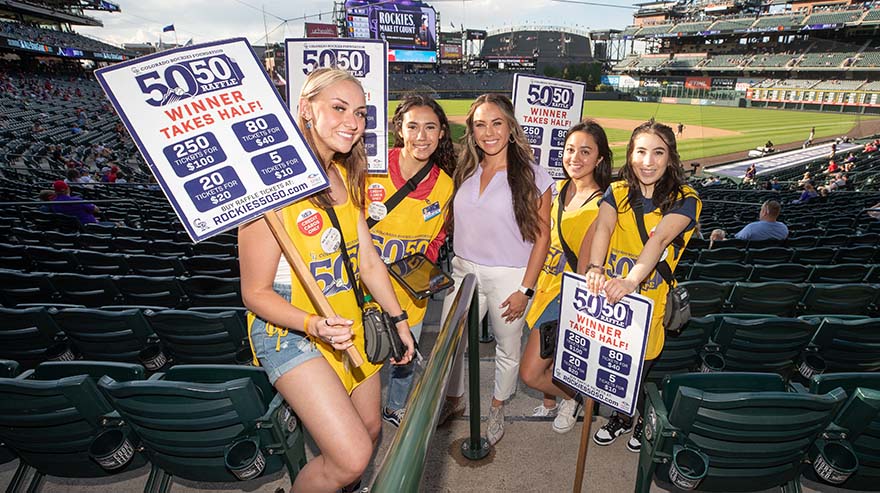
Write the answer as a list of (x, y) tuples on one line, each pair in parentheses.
[(319, 30), (546, 108), (214, 132), (365, 60), (403, 24), (600, 347), (698, 83)]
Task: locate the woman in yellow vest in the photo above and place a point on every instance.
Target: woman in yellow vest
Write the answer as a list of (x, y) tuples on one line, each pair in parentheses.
[(620, 263), (422, 151), (586, 161), (303, 353)]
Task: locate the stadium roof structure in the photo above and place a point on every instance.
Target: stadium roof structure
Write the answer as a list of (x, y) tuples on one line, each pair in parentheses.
[(57, 11), (536, 27)]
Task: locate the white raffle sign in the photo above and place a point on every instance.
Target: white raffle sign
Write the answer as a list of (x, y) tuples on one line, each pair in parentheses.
[(546, 108), (215, 133), (366, 60), (600, 347)]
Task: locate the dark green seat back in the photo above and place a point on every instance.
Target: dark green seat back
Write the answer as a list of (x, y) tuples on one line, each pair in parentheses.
[(850, 299), (151, 291), (19, 287), (87, 290), (26, 334), (707, 297), (841, 273), (768, 256), (106, 335), (681, 354), (774, 298), (849, 345), (720, 272), (762, 345), (780, 272), (199, 338)]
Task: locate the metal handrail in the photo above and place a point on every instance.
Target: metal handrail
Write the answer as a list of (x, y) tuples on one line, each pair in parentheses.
[(402, 468)]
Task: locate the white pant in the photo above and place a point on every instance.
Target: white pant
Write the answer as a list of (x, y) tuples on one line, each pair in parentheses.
[(494, 285)]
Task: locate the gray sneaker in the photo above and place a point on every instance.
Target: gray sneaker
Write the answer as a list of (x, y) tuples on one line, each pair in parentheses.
[(544, 412), (495, 429)]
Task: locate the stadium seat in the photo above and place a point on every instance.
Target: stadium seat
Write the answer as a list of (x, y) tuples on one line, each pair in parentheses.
[(768, 256), (848, 345), (165, 248), (839, 274), (215, 249), (96, 242), (45, 259), (93, 262), (52, 418), (720, 272), (800, 242), (873, 277), (152, 265), (205, 410), (837, 240), (681, 353), (773, 298), (855, 255), (780, 272), (151, 291), (203, 265), (58, 240), (860, 423), (848, 299), (14, 257), (213, 291), (19, 287), (201, 338), (752, 434), (133, 246), (88, 290), (725, 254), (106, 335), (29, 336), (761, 345), (813, 256), (707, 297)]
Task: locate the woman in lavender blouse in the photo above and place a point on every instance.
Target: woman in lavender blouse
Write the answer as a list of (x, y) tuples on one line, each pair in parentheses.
[(501, 220)]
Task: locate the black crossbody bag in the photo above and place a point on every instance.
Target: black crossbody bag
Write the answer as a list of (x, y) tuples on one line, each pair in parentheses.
[(678, 306), (381, 339), (549, 329)]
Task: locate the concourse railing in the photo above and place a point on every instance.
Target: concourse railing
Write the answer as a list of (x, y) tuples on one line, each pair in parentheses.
[(404, 464)]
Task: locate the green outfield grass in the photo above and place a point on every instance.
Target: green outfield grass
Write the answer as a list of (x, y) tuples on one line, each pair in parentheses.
[(754, 126)]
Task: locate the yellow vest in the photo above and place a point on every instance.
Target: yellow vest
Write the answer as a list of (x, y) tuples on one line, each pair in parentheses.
[(574, 226), (626, 245), (306, 225), (409, 228)]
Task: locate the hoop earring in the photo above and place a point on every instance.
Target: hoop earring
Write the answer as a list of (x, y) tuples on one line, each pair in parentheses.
[(511, 139)]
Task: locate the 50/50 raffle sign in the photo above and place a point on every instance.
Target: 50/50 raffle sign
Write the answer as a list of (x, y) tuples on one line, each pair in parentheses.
[(214, 132)]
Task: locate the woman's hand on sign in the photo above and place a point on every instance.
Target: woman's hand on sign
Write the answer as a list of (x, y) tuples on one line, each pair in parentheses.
[(335, 331), (616, 289), (595, 280)]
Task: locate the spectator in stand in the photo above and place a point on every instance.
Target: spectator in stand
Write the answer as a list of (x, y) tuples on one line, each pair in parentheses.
[(808, 178), (750, 175), (766, 227), (120, 178), (85, 213), (832, 167), (840, 182), (46, 196), (870, 147), (807, 195)]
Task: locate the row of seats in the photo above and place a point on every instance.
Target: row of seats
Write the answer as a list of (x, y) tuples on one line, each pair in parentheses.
[(794, 251), (733, 272), (208, 336), (18, 288), (785, 299), (86, 419), (120, 244), (752, 432), (765, 343), (42, 259)]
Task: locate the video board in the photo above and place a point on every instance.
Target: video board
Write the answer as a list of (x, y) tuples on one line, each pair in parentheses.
[(404, 24)]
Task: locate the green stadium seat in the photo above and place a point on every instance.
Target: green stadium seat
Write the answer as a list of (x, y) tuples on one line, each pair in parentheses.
[(206, 265), (773, 298), (768, 256), (720, 272), (50, 418), (19, 287), (873, 277), (113, 264), (813, 256), (848, 345), (205, 409), (849, 299), (107, 335), (855, 255), (707, 297), (87, 290), (151, 291), (14, 257), (753, 433), (800, 242), (155, 266), (212, 291), (781, 272), (761, 345), (681, 353), (29, 336), (839, 274), (723, 254), (201, 338)]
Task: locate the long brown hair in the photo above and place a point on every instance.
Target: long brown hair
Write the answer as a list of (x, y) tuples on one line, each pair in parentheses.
[(602, 173), (520, 175), (444, 155), (669, 189), (354, 161)]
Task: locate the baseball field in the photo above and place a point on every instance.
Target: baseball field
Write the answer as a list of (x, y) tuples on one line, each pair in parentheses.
[(709, 131)]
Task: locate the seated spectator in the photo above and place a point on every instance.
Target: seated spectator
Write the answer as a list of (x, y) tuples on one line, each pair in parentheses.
[(712, 181), (46, 196), (85, 213), (849, 158), (807, 195), (807, 178), (840, 182), (765, 228), (832, 167), (870, 147), (750, 175), (120, 178), (768, 147), (716, 235)]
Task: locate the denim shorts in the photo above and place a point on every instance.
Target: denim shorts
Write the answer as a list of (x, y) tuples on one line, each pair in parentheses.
[(549, 313), (294, 348)]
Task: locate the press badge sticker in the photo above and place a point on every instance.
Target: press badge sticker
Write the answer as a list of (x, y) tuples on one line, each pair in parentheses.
[(431, 211)]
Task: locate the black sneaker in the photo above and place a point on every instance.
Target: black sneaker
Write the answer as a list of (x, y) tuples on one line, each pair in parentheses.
[(634, 444), (617, 425), (393, 417)]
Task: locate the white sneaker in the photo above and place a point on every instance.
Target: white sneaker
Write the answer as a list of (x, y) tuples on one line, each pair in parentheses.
[(544, 412), (566, 416), (495, 429)]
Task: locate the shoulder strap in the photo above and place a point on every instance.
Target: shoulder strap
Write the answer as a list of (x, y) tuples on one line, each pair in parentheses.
[(639, 211), (570, 257), (358, 294), (405, 190)]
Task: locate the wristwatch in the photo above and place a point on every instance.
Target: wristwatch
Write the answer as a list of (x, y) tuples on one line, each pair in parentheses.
[(400, 318), (529, 292)]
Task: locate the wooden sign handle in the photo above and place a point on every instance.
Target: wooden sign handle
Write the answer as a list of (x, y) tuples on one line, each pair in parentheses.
[(322, 305), (585, 443)]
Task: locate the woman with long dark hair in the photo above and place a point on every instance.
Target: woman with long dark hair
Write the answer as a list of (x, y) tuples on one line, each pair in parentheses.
[(501, 219), (586, 162), (423, 153), (620, 263), (301, 351)]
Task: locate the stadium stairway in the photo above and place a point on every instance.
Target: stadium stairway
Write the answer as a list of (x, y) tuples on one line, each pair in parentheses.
[(530, 457)]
